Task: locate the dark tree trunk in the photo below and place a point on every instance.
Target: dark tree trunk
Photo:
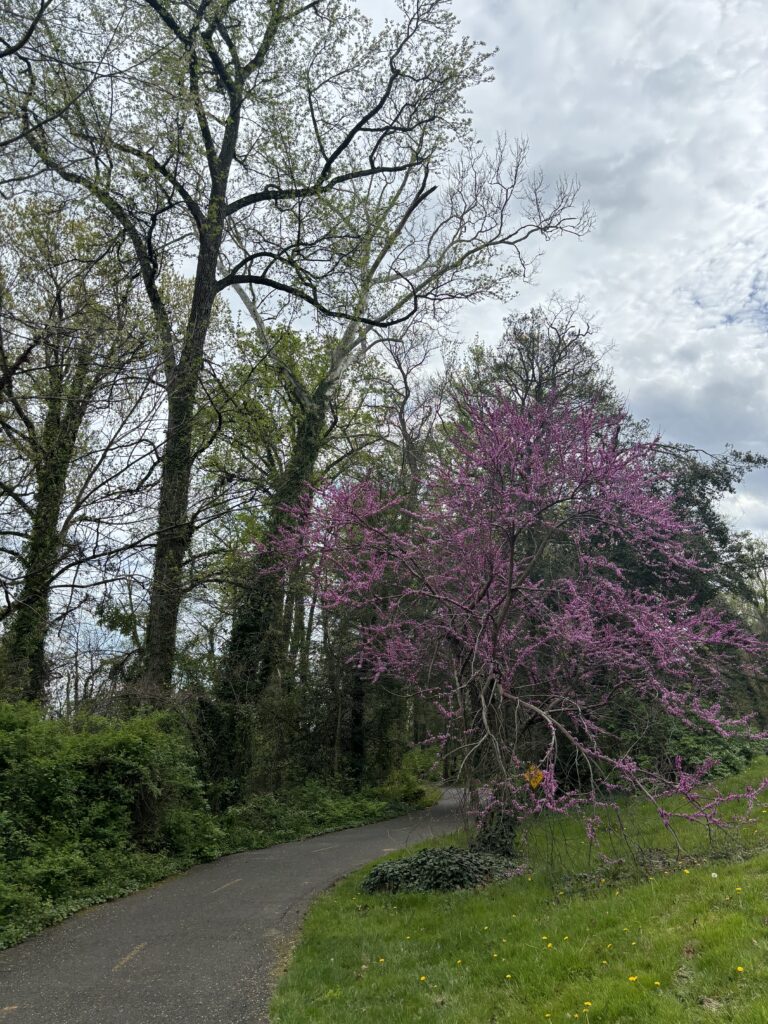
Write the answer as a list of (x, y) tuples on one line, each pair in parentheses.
[(174, 529), (357, 745), (258, 650), (23, 647)]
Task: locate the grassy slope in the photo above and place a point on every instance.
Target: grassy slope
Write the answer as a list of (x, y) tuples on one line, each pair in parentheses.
[(472, 958)]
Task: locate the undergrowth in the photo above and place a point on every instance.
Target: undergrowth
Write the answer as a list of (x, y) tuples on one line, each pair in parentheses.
[(93, 809)]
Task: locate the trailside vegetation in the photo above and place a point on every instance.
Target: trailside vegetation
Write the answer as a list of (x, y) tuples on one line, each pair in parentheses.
[(280, 550)]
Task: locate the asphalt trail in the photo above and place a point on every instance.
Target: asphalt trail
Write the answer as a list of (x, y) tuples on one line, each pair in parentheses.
[(202, 948)]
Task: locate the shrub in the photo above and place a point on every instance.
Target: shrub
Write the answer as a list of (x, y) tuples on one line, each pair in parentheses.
[(91, 808), (424, 762), (497, 833), (402, 787), (443, 869)]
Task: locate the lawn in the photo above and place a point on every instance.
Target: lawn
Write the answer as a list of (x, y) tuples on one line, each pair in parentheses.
[(653, 939)]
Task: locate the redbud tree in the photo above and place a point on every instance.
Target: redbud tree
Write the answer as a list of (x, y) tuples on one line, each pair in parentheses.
[(506, 599)]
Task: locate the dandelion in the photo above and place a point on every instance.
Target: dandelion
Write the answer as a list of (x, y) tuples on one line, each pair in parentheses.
[(459, 963), (686, 871), (423, 977), (507, 976), (587, 1002), (565, 938), (738, 888), (740, 970), (714, 874), (657, 984), (603, 961), (609, 946), (550, 946), (381, 959), (632, 977)]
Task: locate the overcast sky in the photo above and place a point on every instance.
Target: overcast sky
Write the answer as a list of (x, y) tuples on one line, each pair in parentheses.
[(660, 108)]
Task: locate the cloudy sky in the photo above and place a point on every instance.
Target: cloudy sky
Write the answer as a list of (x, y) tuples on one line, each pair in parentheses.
[(660, 108)]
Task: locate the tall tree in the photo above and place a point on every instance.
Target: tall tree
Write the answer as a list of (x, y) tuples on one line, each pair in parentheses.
[(504, 603), (281, 146), (71, 333)]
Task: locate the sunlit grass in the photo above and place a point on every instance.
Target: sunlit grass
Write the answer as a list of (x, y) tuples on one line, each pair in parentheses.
[(563, 940)]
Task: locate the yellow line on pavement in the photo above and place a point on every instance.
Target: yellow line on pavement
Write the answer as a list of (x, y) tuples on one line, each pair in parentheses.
[(129, 956), (226, 885)]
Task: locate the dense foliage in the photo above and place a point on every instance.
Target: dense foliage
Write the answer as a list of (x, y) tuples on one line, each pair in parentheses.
[(542, 584), (276, 546), (443, 869), (92, 808)]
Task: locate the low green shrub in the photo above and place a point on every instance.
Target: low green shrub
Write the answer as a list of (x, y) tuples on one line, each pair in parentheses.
[(93, 808), (423, 762), (280, 817), (443, 869), (402, 787)]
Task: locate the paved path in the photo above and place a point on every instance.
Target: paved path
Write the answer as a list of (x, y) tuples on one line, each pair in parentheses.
[(202, 948)]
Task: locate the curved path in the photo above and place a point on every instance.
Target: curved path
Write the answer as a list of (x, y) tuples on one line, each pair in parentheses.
[(202, 948)]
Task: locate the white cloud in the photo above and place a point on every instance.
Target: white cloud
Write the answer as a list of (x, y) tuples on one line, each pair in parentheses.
[(660, 108)]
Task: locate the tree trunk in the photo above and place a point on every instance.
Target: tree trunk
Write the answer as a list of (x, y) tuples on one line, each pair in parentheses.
[(174, 529), (257, 649), (22, 653)]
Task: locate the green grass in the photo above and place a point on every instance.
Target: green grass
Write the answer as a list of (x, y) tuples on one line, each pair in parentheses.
[(484, 957)]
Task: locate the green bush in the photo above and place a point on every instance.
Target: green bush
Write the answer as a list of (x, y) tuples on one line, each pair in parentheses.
[(423, 762), (92, 808), (402, 787), (443, 869), (305, 810)]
